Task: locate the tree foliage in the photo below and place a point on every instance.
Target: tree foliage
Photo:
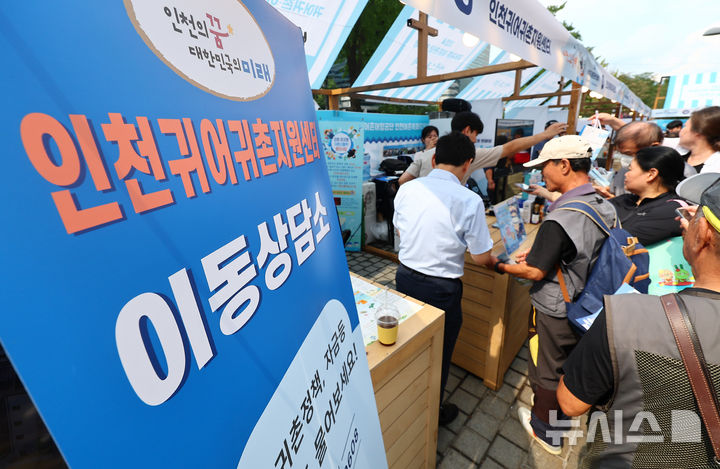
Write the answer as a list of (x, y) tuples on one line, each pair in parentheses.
[(642, 84), (571, 29), (366, 35)]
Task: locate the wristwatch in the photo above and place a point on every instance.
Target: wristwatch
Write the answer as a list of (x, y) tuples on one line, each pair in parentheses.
[(497, 267)]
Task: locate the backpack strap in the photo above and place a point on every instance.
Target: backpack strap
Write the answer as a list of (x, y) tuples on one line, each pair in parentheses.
[(590, 212), (563, 287), (695, 366)]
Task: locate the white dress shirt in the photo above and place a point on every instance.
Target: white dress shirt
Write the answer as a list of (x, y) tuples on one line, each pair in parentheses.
[(712, 164), (438, 220), (484, 158)]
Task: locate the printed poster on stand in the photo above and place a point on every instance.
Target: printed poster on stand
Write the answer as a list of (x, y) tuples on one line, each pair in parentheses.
[(177, 291), (342, 142)]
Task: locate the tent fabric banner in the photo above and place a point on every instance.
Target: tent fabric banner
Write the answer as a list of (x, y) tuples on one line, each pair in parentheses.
[(386, 135), (496, 85), (529, 30), (693, 91), (327, 24), (546, 82), (396, 58), (177, 291), (671, 113)]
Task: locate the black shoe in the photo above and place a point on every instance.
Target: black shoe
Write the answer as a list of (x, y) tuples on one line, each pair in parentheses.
[(448, 413)]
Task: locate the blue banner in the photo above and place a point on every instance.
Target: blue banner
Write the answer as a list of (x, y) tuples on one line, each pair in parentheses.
[(164, 179)]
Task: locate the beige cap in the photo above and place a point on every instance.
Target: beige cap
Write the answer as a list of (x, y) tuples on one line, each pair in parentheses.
[(567, 146)]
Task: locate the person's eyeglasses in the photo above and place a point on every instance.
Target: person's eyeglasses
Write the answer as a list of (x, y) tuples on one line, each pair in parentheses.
[(686, 212)]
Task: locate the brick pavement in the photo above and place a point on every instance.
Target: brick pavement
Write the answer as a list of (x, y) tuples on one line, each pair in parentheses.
[(486, 434)]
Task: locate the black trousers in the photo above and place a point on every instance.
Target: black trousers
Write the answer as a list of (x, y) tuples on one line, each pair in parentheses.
[(556, 339), (443, 293)]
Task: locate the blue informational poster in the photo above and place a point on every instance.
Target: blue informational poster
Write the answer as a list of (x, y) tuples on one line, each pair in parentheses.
[(391, 135), (343, 143), (176, 292), (510, 224)]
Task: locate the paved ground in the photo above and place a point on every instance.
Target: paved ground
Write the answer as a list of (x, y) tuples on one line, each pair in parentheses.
[(487, 433)]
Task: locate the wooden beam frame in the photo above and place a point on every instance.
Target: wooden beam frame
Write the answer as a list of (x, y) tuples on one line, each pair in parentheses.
[(424, 30), (573, 108), (473, 72), (372, 97), (539, 95)]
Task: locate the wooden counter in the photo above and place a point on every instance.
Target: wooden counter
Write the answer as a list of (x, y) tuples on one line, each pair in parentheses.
[(406, 380), (495, 315)]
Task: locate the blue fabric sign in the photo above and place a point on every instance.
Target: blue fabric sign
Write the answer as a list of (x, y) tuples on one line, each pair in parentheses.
[(176, 291)]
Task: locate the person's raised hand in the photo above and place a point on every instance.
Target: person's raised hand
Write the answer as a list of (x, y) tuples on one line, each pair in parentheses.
[(607, 119), (555, 129)]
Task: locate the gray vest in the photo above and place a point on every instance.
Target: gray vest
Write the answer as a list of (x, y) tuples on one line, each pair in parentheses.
[(650, 377), (545, 294)]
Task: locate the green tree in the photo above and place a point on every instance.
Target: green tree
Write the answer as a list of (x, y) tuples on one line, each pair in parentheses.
[(571, 29), (642, 84), (366, 35)]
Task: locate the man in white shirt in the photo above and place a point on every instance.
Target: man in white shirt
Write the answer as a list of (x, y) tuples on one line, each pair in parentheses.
[(437, 220), (470, 124)]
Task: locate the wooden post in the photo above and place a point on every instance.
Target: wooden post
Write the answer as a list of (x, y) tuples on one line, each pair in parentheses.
[(518, 80), (573, 108), (582, 101), (333, 102), (424, 30)]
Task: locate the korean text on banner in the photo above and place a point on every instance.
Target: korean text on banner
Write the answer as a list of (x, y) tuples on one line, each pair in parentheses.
[(529, 30), (178, 280)]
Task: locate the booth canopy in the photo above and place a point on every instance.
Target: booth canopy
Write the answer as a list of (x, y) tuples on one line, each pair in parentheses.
[(528, 30), (547, 82), (396, 58), (327, 24), (496, 85)]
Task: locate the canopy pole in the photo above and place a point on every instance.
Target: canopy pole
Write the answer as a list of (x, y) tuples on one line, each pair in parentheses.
[(424, 30), (573, 108), (518, 79)]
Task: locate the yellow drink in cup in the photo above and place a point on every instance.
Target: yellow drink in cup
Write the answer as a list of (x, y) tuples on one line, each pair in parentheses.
[(387, 329), (387, 318)]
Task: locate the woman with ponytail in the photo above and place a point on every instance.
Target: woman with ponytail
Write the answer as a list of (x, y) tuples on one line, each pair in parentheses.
[(648, 210)]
